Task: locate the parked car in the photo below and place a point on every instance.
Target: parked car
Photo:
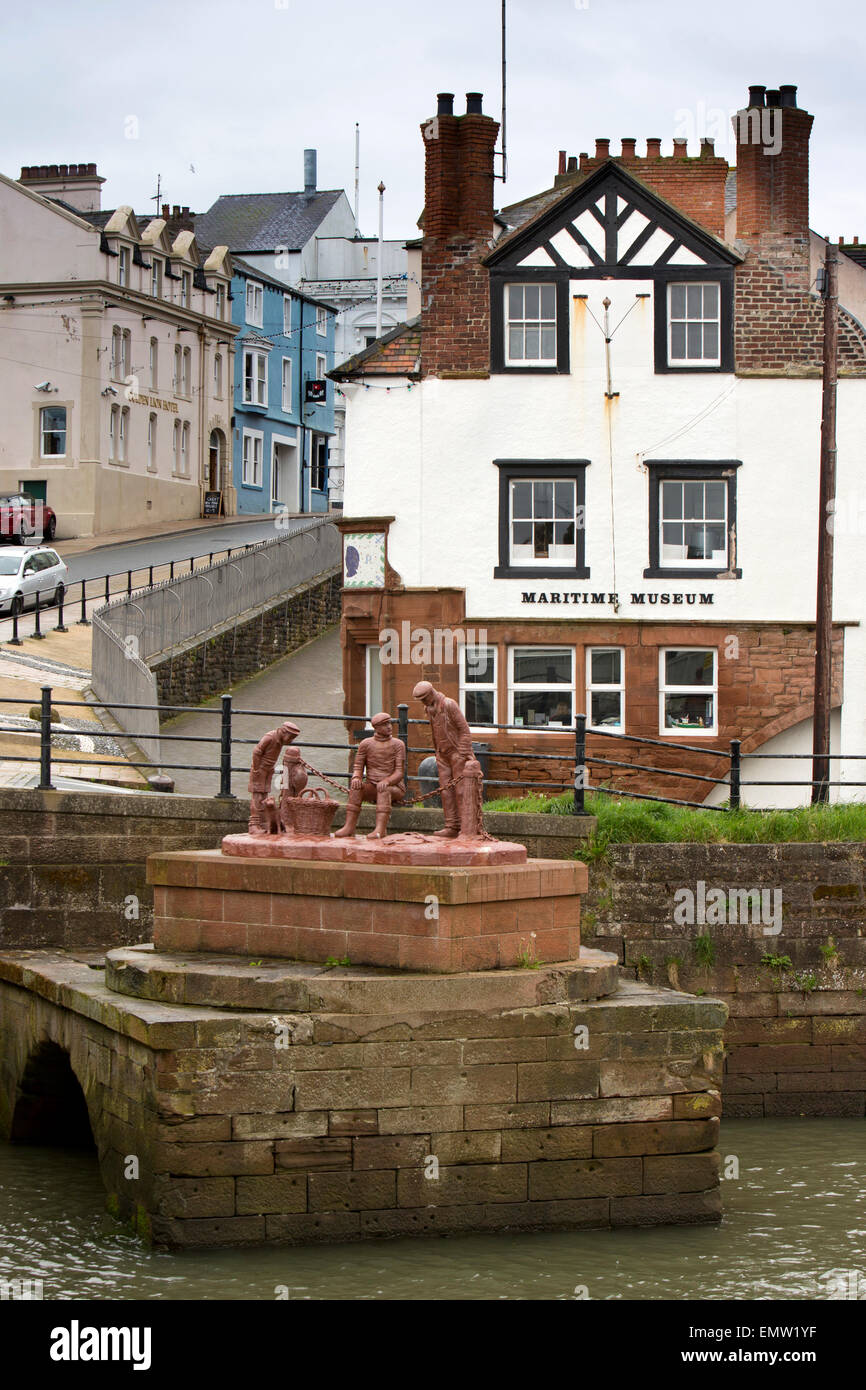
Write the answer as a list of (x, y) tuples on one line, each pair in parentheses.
[(22, 572), (22, 516)]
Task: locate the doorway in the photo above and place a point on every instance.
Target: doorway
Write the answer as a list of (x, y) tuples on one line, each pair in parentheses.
[(284, 477), (213, 462)]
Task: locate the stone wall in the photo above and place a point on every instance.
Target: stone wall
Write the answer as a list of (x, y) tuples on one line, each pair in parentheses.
[(73, 859), (325, 1130), (200, 669), (796, 1036)]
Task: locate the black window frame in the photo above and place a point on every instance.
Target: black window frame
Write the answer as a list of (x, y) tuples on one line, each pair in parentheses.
[(499, 280), (704, 274), (509, 469), (687, 470)]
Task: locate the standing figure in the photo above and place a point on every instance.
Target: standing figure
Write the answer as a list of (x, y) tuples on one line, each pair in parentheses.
[(265, 756), (294, 781), (455, 763), (380, 766)]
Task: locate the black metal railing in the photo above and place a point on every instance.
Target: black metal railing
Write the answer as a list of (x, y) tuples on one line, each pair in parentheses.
[(226, 741), (98, 589)]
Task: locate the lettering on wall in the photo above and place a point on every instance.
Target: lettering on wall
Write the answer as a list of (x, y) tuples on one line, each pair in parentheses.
[(571, 597)]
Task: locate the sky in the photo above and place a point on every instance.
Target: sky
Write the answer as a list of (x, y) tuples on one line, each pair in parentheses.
[(223, 96)]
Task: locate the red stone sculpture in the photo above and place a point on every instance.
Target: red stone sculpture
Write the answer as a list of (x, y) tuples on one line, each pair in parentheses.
[(377, 776), (460, 773), (294, 782), (263, 818)]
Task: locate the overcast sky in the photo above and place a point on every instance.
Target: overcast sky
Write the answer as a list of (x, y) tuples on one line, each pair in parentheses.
[(234, 90)]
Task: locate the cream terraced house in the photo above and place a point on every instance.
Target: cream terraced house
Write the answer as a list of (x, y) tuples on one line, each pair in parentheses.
[(117, 352)]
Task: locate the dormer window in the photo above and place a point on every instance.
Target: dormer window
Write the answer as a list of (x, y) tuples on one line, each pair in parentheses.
[(254, 302), (529, 324), (694, 324)]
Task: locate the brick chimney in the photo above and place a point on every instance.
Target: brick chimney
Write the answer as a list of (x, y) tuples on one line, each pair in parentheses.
[(695, 185), (458, 231), (79, 185), (177, 219), (772, 135), (772, 215)]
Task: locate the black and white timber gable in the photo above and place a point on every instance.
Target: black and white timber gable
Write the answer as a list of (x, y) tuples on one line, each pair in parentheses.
[(611, 227)]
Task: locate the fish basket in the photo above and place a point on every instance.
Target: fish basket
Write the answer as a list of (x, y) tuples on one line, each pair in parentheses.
[(312, 812)]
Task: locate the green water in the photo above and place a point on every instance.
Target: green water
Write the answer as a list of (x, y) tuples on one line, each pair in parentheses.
[(794, 1228)]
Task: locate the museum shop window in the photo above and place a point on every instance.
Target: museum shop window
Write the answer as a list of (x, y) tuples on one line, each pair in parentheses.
[(541, 687), (688, 691)]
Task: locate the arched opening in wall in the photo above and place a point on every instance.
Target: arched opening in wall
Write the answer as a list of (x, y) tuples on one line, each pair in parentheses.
[(50, 1108)]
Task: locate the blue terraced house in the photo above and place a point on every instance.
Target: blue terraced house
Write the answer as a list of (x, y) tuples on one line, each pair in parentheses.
[(280, 436)]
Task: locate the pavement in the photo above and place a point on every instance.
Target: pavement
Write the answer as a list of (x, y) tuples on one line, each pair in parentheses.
[(305, 685), (80, 545)]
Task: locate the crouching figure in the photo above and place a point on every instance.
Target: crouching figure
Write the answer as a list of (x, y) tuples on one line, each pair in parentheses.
[(377, 776)]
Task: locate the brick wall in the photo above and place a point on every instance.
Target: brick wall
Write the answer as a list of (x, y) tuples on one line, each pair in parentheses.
[(778, 322), (695, 185), (796, 1036), (765, 685)]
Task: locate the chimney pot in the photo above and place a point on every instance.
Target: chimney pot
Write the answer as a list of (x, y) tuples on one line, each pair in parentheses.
[(773, 97), (653, 148), (708, 148), (91, 168), (841, 241), (856, 241), (756, 96), (309, 171), (787, 95), (680, 148), (445, 104), (572, 163), (628, 145), (64, 170), (165, 212), (602, 149), (561, 169), (474, 101), (53, 171)]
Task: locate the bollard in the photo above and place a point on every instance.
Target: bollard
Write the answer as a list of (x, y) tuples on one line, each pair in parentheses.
[(225, 792), (45, 742), (37, 631), (735, 774), (150, 577), (83, 621), (579, 808), (129, 583), (60, 627), (107, 587)]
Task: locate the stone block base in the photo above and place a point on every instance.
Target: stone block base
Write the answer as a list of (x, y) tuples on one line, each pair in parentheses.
[(438, 918), (300, 1127)]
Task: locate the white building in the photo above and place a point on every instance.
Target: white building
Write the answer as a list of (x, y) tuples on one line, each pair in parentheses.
[(117, 345), (599, 449)]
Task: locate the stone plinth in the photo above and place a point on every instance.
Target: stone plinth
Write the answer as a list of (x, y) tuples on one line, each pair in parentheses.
[(277, 985), (440, 918), (292, 1126), (410, 849)]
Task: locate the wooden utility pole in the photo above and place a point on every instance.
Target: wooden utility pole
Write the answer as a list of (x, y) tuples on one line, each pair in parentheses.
[(826, 519)]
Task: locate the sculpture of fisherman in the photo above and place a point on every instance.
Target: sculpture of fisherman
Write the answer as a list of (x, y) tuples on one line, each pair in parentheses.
[(294, 781), (265, 757), (456, 763), (377, 776)]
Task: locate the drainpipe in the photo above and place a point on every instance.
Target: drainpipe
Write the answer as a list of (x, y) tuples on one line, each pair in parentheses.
[(301, 428), (202, 413)]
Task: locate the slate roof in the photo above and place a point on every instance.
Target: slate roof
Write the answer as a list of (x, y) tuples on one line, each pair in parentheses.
[(263, 221), (396, 353)]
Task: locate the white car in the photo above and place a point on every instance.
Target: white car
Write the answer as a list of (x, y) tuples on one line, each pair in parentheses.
[(22, 572)]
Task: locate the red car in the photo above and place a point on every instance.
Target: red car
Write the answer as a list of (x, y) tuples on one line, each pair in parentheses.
[(22, 517)]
